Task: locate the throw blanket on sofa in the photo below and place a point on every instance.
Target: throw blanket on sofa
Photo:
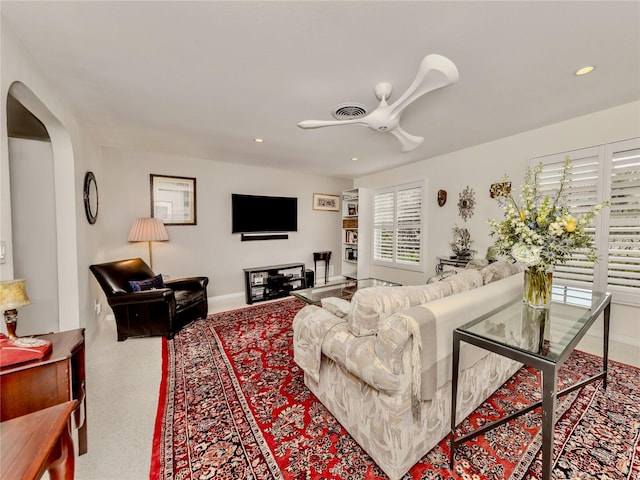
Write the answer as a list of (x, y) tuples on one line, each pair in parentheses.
[(310, 327)]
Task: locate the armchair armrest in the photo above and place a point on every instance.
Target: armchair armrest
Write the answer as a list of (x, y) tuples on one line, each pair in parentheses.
[(146, 296), (188, 283)]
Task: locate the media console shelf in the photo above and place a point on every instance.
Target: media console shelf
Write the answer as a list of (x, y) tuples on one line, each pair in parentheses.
[(273, 281)]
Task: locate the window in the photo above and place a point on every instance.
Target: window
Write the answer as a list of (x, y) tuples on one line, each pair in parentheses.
[(608, 172), (397, 227)]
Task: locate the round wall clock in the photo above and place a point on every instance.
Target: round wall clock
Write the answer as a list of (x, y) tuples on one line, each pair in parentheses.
[(90, 197)]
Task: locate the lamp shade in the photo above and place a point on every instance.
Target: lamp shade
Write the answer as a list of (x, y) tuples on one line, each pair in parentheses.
[(13, 294), (148, 230)]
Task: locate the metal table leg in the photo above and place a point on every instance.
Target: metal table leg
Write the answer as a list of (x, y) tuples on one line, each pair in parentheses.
[(549, 385), (454, 394)]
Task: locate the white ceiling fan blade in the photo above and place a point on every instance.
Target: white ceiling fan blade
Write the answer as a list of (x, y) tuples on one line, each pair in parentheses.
[(330, 123), (435, 71), (409, 142)]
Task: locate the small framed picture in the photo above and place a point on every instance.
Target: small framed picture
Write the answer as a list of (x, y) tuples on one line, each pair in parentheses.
[(173, 199), (326, 202)]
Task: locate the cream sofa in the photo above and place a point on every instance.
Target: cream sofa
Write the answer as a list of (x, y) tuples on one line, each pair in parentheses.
[(381, 363)]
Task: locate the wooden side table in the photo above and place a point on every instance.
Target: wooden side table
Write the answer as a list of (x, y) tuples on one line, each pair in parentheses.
[(55, 379), (38, 442)]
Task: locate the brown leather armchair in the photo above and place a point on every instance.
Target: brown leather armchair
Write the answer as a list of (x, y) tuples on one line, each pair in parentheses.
[(159, 311)]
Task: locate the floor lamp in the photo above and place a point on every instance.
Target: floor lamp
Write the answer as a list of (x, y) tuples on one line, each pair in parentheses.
[(148, 230)]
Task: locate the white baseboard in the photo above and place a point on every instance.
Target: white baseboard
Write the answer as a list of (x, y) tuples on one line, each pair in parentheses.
[(223, 298), (624, 339)]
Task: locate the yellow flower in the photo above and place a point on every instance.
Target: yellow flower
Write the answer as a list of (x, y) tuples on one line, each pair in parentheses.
[(571, 225), (522, 215)]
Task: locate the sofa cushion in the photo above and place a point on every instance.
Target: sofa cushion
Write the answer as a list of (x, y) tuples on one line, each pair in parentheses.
[(338, 306), (477, 263), (499, 270), (147, 284), (465, 280), (370, 306), (441, 277)]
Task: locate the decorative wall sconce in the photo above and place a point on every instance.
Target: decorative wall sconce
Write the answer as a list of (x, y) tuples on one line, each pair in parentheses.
[(442, 197), (466, 203)]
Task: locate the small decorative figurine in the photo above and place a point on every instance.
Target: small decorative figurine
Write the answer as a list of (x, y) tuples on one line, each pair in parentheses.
[(461, 244)]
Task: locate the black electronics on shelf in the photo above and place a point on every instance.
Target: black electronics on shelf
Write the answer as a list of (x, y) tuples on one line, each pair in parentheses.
[(273, 281)]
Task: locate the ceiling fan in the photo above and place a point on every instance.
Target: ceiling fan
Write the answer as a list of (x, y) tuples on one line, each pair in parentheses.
[(435, 72)]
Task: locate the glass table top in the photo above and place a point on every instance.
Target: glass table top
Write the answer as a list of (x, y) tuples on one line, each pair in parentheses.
[(344, 289), (547, 333)]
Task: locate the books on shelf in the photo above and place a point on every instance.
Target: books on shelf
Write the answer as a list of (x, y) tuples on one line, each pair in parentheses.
[(351, 236), (351, 254)]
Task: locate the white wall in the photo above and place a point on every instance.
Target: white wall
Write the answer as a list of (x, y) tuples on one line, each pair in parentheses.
[(35, 259), (480, 166), (209, 248), (73, 153)]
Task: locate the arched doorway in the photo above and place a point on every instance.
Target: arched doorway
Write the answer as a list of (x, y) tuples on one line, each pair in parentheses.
[(33, 227), (43, 222)]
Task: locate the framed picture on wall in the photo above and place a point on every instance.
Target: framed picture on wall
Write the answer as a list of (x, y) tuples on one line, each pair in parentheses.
[(326, 202), (173, 199)]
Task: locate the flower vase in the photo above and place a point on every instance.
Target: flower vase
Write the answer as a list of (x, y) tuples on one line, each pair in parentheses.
[(537, 287)]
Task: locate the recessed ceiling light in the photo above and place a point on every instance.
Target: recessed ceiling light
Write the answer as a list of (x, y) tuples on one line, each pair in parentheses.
[(354, 159), (258, 140), (585, 70)]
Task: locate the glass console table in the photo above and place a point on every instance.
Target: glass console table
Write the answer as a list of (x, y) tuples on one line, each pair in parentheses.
[(540, 338), (344, 289)]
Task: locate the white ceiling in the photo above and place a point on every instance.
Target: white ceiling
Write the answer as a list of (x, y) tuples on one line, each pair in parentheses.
[(205, 78)]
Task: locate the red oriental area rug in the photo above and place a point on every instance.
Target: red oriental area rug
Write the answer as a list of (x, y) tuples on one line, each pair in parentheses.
[(233, 405)]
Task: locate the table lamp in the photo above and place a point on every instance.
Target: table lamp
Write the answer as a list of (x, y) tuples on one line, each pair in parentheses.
[(13, 294), (148, 230)]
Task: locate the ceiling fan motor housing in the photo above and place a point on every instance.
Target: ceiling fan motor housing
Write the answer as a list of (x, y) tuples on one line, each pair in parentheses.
[(349, 110)]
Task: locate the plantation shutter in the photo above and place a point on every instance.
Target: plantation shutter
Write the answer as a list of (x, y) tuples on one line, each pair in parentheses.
[(408, 225), (609, 172), (624, 221), (383, 213), (581, 193), (397, 226)]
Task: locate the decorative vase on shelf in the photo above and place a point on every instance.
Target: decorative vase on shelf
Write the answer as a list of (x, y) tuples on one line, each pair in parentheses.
[(461, 244), (537, 286)]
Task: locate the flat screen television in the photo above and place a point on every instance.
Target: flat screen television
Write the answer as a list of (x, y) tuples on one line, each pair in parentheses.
[(259, 213)]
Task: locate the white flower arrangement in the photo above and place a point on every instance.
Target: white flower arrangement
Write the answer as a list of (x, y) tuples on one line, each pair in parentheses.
[(540, 231)]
